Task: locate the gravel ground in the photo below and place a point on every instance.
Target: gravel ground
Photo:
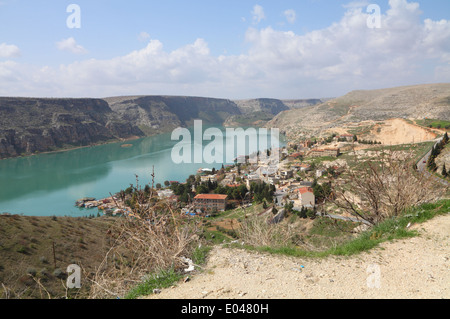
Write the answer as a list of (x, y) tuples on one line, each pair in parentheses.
[(416, 268)]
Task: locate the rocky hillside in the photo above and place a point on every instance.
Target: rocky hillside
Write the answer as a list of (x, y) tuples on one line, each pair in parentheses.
[(30, 125), (411, 102), (259, 111), (271, 106), (155, 114)]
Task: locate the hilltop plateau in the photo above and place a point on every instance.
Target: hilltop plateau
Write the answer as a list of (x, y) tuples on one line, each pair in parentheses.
[(410, 102)]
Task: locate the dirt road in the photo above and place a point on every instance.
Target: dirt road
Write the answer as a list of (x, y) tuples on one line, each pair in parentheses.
[(416, 268)]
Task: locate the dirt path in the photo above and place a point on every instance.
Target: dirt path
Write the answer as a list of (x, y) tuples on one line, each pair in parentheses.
[(416, 268)]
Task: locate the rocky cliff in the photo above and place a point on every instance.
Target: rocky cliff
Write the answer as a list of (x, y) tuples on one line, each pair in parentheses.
[(31, 125), (156, 114)]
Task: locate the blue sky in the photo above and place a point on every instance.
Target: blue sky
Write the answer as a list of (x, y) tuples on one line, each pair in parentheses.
[(232, 49)]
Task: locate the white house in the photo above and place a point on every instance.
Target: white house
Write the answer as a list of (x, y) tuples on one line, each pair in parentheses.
[(306, 197)]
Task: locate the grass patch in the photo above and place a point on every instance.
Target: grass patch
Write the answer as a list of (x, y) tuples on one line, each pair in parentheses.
[(433, 123), (200, 254), (216, 237), (160, 280)]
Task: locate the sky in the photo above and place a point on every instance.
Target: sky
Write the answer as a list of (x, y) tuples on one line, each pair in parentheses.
[(234, 49)]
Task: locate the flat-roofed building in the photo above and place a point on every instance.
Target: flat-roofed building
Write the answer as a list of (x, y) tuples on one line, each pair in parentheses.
[(332, 152), (210, 202)]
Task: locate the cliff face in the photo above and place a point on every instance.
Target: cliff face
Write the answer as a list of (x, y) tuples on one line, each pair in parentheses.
[(30, 125), (155, 114)]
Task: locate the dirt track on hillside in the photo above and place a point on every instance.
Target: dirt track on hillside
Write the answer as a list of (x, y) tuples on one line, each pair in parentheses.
[(416, 268)]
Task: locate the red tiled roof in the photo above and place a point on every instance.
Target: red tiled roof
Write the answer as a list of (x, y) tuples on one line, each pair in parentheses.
[(304, 190), (211, 196)]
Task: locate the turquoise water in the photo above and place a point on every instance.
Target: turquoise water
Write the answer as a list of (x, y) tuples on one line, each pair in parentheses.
[(49, 184)]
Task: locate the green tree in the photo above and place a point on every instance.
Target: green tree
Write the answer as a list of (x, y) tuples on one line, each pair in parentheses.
[(274, 210), (202, 189), (446, 138), (444, 171)]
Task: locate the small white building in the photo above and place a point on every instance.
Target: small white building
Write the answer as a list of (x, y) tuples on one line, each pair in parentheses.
[(206, 178), (165, 193), (306, 197)]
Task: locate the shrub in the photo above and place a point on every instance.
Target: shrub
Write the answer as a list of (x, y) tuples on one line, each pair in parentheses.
[(258, 232), (21, 249), (379, 189), (31, 271), (58, 273), (154, 239)]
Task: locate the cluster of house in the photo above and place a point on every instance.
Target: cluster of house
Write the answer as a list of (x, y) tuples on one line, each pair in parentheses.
[(281, 174), (267, 170)]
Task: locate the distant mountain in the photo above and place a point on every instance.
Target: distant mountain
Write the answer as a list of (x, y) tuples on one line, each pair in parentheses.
[(411, 102)]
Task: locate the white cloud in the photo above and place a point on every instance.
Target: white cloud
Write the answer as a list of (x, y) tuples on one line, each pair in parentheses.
[(143, 36), (258, 14), (290, 15), (356, 4), (70, 45), (331, 61), (9, 51)]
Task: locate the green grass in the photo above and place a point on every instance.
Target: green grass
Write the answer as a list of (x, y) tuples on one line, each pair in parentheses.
[(216, 237), (440, 124), (200, 254), (391, 229), (160, 280)]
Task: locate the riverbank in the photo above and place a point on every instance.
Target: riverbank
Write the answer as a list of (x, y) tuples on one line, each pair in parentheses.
[(66, 149)]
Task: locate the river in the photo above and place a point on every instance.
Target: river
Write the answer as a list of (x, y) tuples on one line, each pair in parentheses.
[(49, 184)]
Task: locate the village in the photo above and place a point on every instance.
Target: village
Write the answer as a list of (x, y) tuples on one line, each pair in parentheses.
[(299, 178)]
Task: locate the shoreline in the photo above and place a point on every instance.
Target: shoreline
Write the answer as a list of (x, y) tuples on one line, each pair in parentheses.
[(131, 138)]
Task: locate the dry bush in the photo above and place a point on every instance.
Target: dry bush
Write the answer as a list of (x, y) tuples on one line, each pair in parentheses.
[(384, 187), (259, 232), (150, 239)]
